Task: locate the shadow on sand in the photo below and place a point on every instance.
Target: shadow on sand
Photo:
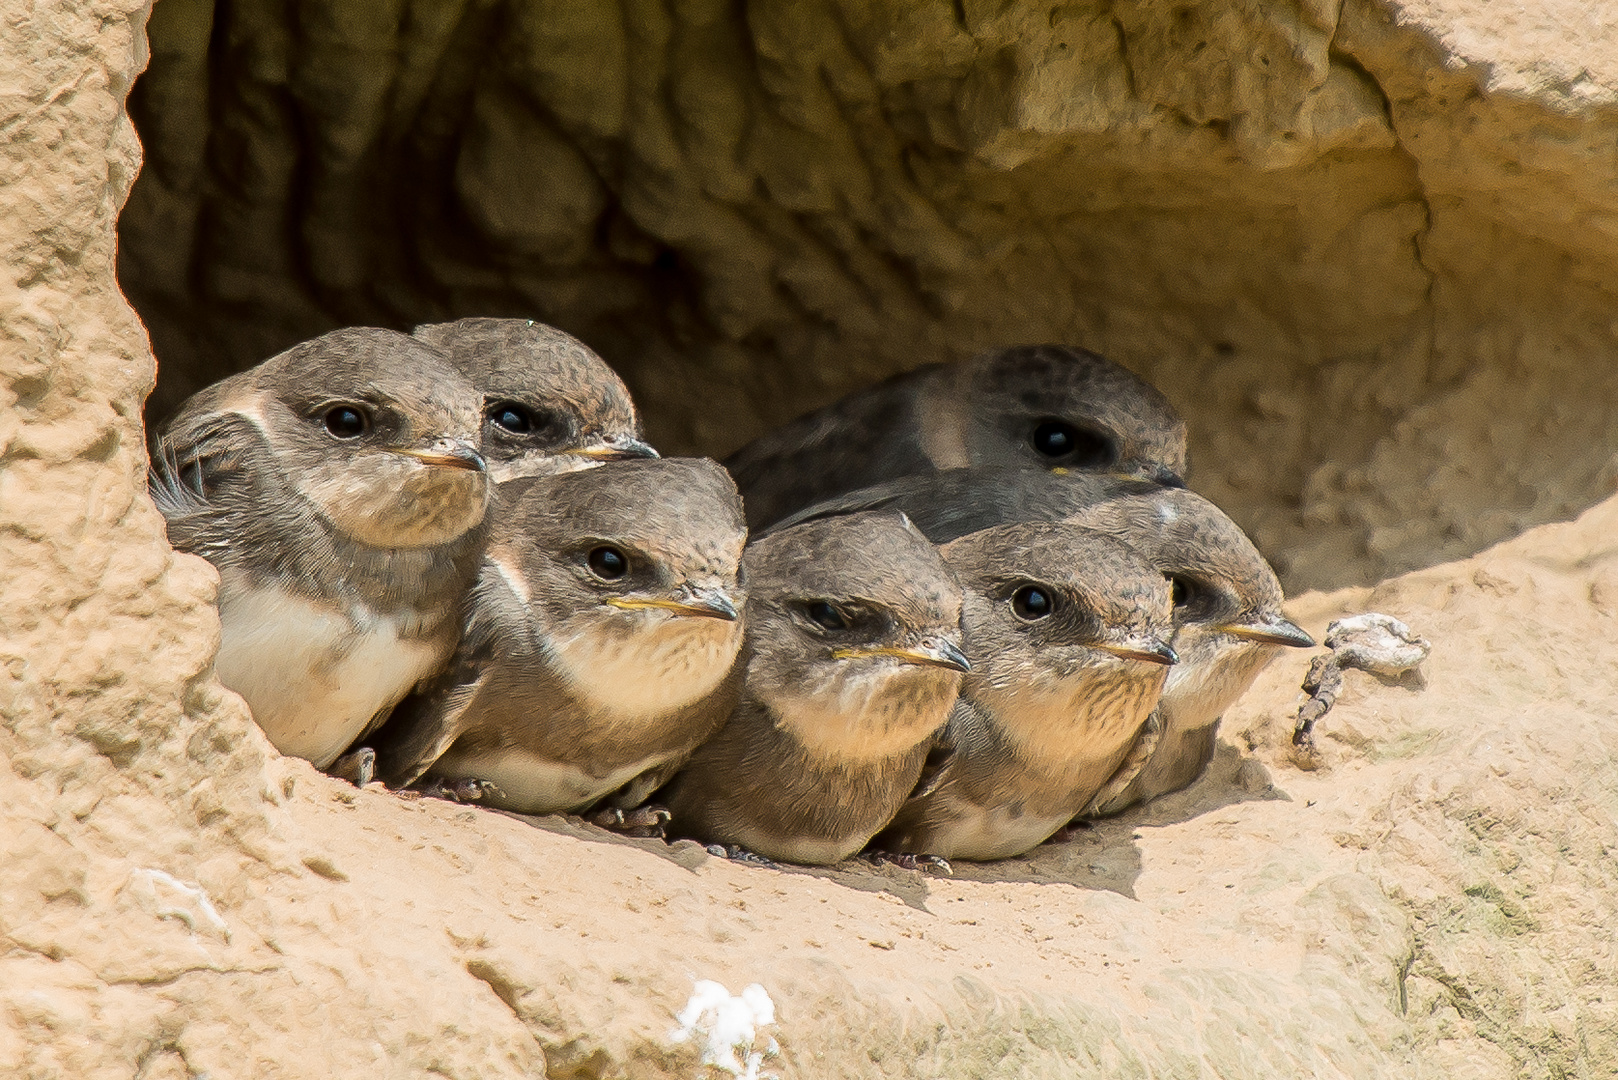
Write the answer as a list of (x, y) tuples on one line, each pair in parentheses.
[(1100, 855)]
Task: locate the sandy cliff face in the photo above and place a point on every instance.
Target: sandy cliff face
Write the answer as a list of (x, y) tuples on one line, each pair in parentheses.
[(1366, 250), (1364, 246)]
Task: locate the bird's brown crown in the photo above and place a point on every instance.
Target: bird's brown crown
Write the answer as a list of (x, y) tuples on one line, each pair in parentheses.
[(1218, 574), (853, 638), (643, 529), (373, 428), (546, 395), (877, 559), (1094, 588), (1058, 406)]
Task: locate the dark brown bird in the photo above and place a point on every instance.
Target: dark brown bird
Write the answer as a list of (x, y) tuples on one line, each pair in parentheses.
[(1227, 601), (1067, 634), (1049, 406), (598, 645), (550, 404), (338, 490), (851, 664)]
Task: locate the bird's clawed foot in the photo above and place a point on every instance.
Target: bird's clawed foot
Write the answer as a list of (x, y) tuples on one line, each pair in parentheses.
[(358, 768), (643, 821), (908, 861), (737, 853), (464, 790), (1071, 831)]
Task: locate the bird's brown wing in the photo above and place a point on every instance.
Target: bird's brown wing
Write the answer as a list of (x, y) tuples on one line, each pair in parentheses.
[(944, 506), (862, 439), (954, 503), (429, 720), (941, 758), (879, 497), (964, 748), (205, 467)]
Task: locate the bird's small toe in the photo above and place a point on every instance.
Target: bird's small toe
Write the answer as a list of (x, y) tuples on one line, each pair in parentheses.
[(1071, 831), (643, 821), (358, 768), (465, 789), (737, 853), (910, 861)]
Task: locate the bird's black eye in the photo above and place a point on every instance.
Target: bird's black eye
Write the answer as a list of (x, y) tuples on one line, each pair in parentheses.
[(1059, 440), (512, 417), (608, 563), (1032, 602), (1054, 438), (346, 422), (826, 616), (1181, 590)]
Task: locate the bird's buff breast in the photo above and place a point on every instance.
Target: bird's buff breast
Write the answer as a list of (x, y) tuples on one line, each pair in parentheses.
[(1064, 725), (875, 716), (315, 675), (531, 784), (981, 833), (650, 670)]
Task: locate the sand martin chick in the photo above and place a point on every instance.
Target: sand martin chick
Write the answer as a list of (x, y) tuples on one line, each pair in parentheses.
[(1067, 632), (1048, 406), (851, 662), (338, 490), (1227, 600), (599, 641), (550, 404), (1228, 625)]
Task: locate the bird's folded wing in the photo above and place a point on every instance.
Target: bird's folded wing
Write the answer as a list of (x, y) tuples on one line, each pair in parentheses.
[(427, 722), (202, 466), (943, 505)]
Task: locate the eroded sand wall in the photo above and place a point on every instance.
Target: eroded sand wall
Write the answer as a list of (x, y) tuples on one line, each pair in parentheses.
[(1364, 247)]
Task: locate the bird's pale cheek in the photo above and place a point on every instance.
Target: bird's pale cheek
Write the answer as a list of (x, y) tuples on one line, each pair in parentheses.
[(1215, 676), (507, 464), (393, 501)]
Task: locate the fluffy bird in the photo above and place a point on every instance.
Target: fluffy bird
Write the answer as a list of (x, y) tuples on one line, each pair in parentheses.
[(338, 490), (1049, 406), (852, 661), (1066, 631), (598, 645), (1227, 602), (550, 404)]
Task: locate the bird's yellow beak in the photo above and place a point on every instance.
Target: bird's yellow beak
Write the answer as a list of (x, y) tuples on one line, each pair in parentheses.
[(615, 448), (934, 652), (712, 604), (1147, 652), (446, 454), (1270, 632)]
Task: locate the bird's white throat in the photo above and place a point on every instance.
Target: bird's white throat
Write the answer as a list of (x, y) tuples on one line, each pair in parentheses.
[(645, 663), (883, 710), (1211, 675), (314, 675)]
